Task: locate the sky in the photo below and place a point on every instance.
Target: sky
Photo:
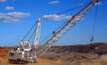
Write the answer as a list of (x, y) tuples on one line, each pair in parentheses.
[(18, 16)]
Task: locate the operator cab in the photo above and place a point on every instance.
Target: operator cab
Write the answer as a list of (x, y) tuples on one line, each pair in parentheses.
[(15, 55)]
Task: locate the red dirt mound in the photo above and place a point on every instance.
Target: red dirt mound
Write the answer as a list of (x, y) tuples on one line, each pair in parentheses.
[(4, 53)]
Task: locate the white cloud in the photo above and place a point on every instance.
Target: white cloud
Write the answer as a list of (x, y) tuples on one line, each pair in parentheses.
[(13, 17), (54, 2), (9, 8), (2, 1), (99, 3), (55, 17), (11, 21), (81, 4)]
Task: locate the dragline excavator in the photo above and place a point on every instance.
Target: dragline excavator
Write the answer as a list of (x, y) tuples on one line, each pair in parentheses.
[(30, 53)]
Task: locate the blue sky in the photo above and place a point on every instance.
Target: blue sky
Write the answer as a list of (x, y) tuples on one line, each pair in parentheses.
[(18, 16)]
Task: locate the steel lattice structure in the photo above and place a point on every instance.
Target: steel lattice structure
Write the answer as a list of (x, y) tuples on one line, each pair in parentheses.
[(37, 35), (73, 21)]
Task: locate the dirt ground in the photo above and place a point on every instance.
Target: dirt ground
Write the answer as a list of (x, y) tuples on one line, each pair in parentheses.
[(41, 60), (52, 58)]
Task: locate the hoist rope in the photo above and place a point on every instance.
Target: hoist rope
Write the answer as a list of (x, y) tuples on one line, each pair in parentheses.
[(94, 24)]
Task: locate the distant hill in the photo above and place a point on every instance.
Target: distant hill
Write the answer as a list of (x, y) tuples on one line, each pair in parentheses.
[(93, 47), (8, 47)]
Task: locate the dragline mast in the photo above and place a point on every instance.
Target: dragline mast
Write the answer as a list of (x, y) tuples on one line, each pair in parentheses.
[(37, 35)]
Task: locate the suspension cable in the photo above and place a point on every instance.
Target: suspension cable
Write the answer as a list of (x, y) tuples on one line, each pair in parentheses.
[(76, 7), (51, 33), (29, 31), (68, 10), (45, 19), (32, 34), (59, 13)]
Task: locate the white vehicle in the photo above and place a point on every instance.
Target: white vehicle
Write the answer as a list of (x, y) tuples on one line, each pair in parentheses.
[(26, 53)]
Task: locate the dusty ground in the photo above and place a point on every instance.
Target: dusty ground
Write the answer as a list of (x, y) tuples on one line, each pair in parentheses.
[(52, 58), (41, 60)]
